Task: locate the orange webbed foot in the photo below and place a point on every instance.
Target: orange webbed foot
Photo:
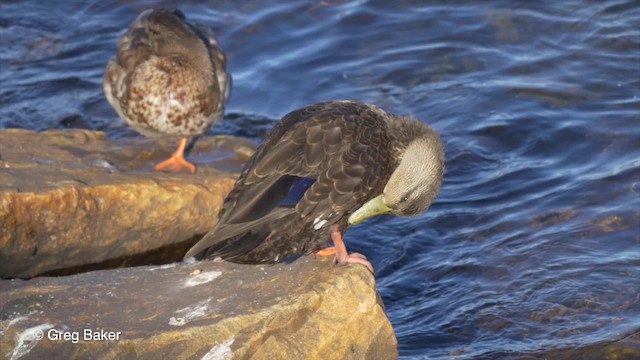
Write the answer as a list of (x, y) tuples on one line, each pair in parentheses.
[(177, 162), (342, 256), (328, 251)]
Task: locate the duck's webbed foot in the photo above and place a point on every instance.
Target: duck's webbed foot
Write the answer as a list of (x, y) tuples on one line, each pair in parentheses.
[(340, 250), (177, 162)]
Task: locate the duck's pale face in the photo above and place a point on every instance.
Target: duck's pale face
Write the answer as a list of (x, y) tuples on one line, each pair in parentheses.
[(415, 183), (413, 186)]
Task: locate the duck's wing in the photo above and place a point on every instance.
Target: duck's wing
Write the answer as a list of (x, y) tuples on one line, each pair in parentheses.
[(133, 48), (246, 211), (335, 152), (219, 61), (113, 84)]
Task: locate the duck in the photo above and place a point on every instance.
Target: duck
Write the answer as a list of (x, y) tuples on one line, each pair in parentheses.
[(322, 169), (169, 79)]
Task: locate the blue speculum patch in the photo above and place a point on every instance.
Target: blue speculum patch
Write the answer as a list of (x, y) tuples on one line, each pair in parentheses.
[(296, 191)]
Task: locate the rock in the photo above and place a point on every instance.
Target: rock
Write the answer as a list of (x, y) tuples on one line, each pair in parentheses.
[(73, 200), (309, 309)]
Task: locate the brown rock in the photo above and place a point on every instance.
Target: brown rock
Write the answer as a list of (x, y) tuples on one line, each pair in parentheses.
[(310, 309), (73, 200)]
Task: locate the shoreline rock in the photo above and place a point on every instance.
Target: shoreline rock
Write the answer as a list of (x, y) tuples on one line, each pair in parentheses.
[(73, 198), (308, 309)]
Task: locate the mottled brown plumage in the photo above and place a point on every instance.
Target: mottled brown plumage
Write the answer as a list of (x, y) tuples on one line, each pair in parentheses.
[(316, 172), (169, 77)]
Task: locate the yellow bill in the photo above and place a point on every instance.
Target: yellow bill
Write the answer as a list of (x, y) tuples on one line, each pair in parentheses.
[(371, 208)]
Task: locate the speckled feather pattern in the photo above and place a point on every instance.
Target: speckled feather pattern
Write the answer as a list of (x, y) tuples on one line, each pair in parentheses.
[(347, 146), (177, 92)]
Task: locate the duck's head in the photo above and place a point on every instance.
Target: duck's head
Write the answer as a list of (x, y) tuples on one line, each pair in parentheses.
[(413, 185)]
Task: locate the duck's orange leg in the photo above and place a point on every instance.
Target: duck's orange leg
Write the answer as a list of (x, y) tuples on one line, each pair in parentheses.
[(340, 250), (177, 162), (328, 251)]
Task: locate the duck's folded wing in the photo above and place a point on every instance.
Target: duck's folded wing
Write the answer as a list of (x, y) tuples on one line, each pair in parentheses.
[(219, 238), (344, 150), (277, 166), (134, 46), (219, 61), (326, 147)]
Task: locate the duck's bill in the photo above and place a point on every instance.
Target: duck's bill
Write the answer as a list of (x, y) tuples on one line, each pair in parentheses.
[(371, 208)]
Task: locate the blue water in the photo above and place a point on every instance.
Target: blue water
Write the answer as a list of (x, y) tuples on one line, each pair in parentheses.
[(533, 247)]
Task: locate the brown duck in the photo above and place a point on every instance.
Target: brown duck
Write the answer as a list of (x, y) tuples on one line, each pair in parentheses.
[(169, 79), (322, 169)]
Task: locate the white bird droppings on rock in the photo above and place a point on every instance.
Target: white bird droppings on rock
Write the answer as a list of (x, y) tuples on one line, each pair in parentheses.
[(190, 260), (190, 313), (220, 351), (202, 278), (162, 267), (26, 340)]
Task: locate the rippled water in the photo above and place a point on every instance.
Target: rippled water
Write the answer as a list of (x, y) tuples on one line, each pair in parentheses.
[(532, 249)]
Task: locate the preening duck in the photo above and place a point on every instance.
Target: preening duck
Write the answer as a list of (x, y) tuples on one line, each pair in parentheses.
[(322, 169), (169, 79)]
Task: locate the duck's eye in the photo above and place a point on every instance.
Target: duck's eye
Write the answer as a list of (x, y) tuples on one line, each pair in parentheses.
[(406, 198)]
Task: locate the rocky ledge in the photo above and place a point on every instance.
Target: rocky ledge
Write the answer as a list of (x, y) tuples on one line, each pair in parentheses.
[(310, 309), (74, 201)]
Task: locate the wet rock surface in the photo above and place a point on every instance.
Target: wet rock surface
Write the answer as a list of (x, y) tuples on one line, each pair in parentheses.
[(73, 200), (309, 309)]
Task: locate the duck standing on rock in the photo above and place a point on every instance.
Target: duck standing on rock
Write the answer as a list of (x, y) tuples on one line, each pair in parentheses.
[(322, 169), (169, 79)]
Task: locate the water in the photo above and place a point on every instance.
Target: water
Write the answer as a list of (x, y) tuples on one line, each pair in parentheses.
[(533, 247)]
